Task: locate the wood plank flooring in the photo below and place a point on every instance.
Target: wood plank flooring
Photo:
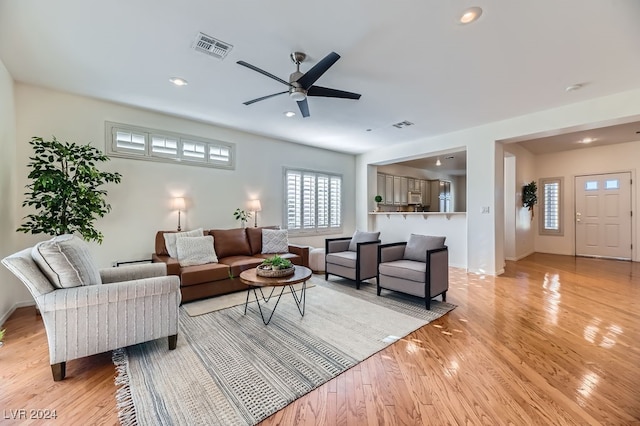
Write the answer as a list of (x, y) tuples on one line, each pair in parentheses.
[(555, 340)]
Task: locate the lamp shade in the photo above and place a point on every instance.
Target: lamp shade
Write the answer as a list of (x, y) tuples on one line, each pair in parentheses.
[(254, 206), (178, 203)]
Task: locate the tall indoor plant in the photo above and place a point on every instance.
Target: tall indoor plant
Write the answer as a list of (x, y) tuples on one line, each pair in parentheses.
[(65, 189)]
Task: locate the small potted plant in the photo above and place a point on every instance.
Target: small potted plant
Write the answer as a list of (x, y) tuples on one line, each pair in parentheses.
[(275, 266), (378, 200), (242, 215), (2, 337)]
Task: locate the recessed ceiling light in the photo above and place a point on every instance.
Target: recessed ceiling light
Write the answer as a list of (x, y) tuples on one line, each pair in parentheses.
[(470, 15), (438, 163), (587, 140), (573, 87), (178, 81), (290, 114), (450, 157)]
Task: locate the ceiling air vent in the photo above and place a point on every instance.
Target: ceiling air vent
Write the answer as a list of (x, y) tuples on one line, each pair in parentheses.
[(402, 124), (211, 46)]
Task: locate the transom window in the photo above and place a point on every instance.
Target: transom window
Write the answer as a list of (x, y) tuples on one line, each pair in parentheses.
[(123, 140), (551, 207), (313, 201)]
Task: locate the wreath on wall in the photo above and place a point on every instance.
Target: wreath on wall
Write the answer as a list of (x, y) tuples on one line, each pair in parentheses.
[(530, 196)]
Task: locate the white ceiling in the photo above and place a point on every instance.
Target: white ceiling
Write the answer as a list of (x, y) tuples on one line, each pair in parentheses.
[(410, 60)]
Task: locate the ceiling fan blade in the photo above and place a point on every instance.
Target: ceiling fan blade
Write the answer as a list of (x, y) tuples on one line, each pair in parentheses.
[(263, 72), (317, 70), (331, 93), (304, 107), (264, 97)]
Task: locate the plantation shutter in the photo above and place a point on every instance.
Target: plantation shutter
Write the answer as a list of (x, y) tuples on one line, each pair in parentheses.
[(335, 201), (294, 204), (313, 201), (308, 200), (551, 206), (323, 201)]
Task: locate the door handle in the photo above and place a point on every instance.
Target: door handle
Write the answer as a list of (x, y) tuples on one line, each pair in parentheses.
[(578, 217)]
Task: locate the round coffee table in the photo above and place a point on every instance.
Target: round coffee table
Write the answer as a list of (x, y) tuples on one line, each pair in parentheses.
[(301, 274)]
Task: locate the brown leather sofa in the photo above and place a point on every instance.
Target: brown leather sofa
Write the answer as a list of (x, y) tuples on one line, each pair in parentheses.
[(237, 250)]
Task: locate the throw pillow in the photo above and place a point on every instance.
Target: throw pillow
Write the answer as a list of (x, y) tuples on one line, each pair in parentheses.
[(66, 261), (275, 241), (418, 245), (196, 250), (231, 242), (170, 239), (362, 237)]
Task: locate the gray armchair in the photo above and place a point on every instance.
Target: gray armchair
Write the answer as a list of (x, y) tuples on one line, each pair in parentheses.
[(354, 258), (419, 267), (133, 304)]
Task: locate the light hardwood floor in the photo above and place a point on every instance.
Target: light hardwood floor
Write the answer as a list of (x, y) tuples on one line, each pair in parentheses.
[(555, 340)]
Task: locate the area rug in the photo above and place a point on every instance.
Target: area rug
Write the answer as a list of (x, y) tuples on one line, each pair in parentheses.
[(231, 369), (212, 304)]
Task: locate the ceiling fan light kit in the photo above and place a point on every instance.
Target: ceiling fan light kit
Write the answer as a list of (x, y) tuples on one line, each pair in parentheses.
[(301, 84)]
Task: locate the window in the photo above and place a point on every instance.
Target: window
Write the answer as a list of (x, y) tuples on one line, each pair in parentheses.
[(313, 201), (123, 140), (551, 206)]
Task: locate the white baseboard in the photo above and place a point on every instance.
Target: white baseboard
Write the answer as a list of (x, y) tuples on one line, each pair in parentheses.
[(7, 314), (522, 256)]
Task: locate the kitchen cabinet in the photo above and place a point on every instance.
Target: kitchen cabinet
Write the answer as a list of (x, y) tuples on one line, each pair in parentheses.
[(396, 190), (381, 188), (404, 191), (388, 189)]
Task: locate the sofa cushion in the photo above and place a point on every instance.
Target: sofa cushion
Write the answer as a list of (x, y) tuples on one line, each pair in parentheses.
[(240, 263), (254, 235), (342, 258), (230, 242), (406, 269), (362, 237), (195, 250), (198, 274), (170, 239), (66, 262), (418, 245), (275, 241)]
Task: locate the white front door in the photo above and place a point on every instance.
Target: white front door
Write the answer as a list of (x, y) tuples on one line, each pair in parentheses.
[(603, 215)]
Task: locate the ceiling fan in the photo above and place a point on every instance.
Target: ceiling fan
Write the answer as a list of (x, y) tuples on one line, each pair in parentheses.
[(301, 84)]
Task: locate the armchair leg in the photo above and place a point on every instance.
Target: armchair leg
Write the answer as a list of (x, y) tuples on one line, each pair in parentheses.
[(444, 296), (326, 275), (428, 303), (357, 284), (378, 288), (173, 342), (59, 370)]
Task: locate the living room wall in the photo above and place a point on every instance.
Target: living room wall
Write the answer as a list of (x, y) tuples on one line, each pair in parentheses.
[(12, 290), (141, 204)]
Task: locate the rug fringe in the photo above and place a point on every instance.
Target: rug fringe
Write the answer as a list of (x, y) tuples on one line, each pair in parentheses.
[(124, 400)]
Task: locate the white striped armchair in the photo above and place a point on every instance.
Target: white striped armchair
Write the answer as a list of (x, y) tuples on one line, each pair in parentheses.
[(133, 304)]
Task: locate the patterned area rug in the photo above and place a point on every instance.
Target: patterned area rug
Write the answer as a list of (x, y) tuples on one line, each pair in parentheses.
[(231, 369)]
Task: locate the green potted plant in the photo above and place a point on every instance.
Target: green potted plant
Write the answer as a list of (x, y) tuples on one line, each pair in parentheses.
[(530, 196), (275, 266), (242, 215), (2, 337), (378, 200), (65, 189)]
